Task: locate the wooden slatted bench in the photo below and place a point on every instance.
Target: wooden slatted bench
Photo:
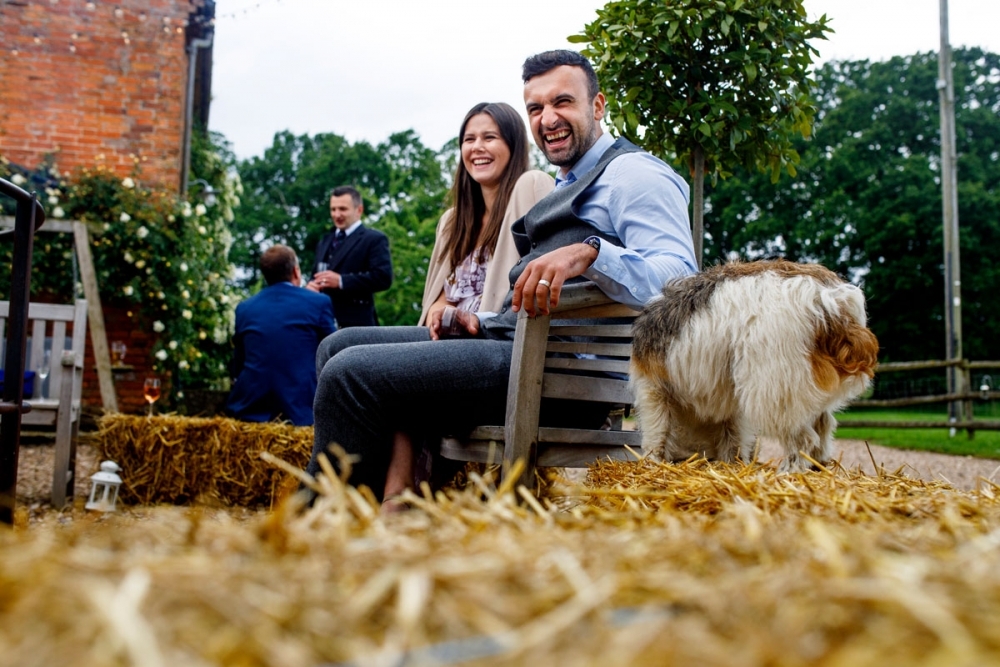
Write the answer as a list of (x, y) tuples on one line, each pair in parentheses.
[(547, 363), (57, 402)]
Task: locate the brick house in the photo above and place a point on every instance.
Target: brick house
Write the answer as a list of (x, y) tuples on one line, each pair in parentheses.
[(81, 79)]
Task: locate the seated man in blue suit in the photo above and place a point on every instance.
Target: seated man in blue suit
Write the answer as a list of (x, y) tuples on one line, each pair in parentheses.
[(277, 333)]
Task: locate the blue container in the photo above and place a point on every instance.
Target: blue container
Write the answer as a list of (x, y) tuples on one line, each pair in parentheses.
[(29, 382)]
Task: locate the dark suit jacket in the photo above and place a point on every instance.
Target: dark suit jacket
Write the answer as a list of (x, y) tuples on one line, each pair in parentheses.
[(365, 267), (274, 363)]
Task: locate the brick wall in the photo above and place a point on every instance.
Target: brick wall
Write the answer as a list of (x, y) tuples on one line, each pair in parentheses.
[(83, 79)]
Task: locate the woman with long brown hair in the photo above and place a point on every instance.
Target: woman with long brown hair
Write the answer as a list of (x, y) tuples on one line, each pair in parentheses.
[(474, 250)]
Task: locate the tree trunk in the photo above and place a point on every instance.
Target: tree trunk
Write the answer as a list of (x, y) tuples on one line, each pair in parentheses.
[(698, 215)]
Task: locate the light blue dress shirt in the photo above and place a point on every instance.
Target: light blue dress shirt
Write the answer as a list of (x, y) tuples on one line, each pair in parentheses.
[(643, 203)]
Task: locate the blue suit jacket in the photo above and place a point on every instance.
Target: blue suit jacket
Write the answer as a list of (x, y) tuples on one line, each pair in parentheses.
[(274, 363)]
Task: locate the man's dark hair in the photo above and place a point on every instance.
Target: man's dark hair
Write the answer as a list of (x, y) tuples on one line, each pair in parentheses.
[(278, 264), (541, 63), (347, 190)]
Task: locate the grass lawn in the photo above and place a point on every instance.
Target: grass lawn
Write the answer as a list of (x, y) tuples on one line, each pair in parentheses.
[(985, 444)]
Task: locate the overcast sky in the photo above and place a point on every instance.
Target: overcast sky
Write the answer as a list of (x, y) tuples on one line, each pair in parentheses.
[(367, 69)]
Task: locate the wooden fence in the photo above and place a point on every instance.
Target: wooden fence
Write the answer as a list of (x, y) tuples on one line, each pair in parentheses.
[(964, 397)]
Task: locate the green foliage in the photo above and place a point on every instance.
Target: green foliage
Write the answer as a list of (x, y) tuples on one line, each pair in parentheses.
[(867, 199), (728, 77), (163, 257), (286, 200)]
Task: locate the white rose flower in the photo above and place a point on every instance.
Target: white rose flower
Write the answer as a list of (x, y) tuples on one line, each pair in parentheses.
[(107, 226), (18, 179), (127, 290), (128, 183), (182, 364), (202, 230), (171, 218), (187, 314), (140, 264), (172, 345), (224, 298), (149, 271), (161, 355), (57, 212), (142, 232), (128, 257), (161, 295), (186, 210), (180, 394), (202, 335), (185, 294), (53, 199), (184, 266), (158, 326), (200, 209), (124, 217)]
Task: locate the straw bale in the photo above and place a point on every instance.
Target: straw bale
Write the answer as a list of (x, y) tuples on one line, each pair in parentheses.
[(694, 563), (179, 460)]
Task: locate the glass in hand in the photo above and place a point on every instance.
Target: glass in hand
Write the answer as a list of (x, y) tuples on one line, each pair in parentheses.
[(151, 391)]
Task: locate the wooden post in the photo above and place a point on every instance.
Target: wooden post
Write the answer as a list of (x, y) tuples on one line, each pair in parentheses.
[(95, 317), (949, 210)]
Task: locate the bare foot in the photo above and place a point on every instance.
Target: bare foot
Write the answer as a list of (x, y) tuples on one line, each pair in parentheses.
[(393, 505)]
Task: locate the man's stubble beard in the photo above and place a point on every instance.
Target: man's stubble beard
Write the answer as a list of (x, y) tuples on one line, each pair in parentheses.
[(579, 149)]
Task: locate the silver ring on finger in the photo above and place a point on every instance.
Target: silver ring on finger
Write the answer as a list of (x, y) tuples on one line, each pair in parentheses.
[(546, 283)]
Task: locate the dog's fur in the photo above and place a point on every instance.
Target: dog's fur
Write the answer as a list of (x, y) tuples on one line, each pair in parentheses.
[(768, 348)]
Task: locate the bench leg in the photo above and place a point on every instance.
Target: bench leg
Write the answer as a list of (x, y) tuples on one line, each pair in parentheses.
[(65, 468)]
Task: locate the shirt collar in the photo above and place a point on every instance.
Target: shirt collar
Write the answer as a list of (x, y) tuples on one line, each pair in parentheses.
[(590, 158), (350, 230)]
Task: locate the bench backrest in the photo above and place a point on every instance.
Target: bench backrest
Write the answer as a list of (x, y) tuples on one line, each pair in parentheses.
[(49, 322)]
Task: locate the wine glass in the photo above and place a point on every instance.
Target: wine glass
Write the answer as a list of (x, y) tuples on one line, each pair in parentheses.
[(43, 370), (320, 267), (117, 353), (151, 390)]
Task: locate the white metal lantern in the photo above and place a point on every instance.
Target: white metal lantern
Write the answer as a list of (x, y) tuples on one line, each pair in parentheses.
[(104, 489)]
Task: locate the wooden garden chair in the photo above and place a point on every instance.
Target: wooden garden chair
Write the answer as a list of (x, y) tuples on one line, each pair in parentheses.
[(545, 364), (57, 403)]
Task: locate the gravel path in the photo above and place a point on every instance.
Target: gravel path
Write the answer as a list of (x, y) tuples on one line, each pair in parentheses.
[(962, 472)]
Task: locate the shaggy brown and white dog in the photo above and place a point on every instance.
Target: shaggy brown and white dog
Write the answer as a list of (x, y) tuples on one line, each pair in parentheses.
[(768, 348)]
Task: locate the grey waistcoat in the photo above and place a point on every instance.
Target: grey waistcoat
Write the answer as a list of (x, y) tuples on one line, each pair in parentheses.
[(553, 223)]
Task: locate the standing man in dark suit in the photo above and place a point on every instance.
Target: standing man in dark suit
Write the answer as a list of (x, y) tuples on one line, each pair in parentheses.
[(277, 333), (352, 262)]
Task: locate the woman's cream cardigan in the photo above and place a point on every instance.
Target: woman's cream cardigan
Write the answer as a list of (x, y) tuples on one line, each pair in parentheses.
[(530, 187)]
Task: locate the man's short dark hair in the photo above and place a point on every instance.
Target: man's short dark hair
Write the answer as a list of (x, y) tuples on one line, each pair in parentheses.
[(278, 264), (541, 63), (347, 190)]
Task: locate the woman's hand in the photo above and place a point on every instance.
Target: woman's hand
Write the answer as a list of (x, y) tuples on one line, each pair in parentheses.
[(450, 322)]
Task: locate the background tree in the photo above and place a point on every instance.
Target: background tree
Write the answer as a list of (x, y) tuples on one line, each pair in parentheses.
[(286, 200), (867, 199), (716, 83)]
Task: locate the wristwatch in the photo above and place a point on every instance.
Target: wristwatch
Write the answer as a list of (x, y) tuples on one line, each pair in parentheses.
[(594, 242)]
